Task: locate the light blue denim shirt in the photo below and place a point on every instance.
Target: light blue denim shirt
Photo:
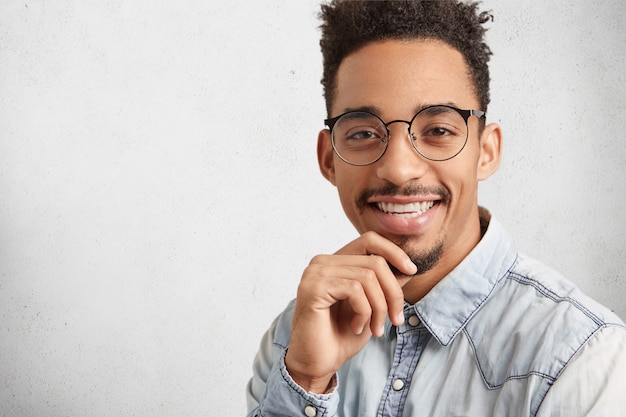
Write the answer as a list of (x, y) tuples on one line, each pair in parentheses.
[(501, 335)]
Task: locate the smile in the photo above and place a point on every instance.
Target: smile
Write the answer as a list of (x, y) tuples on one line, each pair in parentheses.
[(405, 211)]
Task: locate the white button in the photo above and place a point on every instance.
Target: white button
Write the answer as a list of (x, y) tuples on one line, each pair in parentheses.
[(310, 411), (414, 321), (398, 384)]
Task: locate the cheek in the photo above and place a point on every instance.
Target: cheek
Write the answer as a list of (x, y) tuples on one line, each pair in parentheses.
[(350, 183), (464, 169), (347, 197), (349, 178), (460, 179)]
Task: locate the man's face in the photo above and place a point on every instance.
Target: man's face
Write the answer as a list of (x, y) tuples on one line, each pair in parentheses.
[(428, 208)]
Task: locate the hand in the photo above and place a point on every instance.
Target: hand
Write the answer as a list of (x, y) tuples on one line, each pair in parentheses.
[(342, 300)]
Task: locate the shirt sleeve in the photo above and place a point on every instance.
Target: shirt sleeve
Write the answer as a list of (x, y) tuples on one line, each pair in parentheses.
[(594, 382), (271, 391)]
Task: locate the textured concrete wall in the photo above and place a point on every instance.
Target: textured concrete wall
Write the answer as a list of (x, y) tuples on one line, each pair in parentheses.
[(160, 195)]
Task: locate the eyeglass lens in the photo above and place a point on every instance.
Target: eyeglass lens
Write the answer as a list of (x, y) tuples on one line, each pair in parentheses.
[(437, 133)]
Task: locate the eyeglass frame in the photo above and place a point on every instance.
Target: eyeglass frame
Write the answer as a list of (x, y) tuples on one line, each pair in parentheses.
[(465, 114)]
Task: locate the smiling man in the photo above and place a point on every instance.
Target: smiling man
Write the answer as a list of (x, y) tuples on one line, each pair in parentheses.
[(430, 311)]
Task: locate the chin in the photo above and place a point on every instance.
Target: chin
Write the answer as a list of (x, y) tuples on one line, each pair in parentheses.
[(425, 259)]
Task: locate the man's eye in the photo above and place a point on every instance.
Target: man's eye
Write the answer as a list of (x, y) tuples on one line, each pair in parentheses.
[(363, 135), (438, 131)]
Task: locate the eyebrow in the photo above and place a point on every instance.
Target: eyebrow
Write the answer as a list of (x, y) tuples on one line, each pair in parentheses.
[(377, 110)]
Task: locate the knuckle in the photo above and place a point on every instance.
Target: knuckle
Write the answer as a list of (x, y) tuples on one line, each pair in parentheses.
[(378, 261), (318, 259), (369, 277), (311, 277), (354, 287), (364, 310), (304, 287), (369, 236)]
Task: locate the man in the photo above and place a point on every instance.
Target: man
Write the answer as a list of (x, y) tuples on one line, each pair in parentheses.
[(430, 312)]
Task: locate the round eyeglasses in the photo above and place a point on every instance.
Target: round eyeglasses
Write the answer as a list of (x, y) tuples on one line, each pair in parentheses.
[(438, 133)]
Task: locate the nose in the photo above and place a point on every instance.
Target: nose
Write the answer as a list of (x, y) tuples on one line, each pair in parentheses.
[(401, 163)]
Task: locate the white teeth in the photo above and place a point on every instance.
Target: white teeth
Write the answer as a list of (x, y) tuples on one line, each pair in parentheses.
[(406, 211)]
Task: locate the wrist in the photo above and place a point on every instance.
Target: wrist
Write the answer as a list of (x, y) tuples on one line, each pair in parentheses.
[(324, 384)]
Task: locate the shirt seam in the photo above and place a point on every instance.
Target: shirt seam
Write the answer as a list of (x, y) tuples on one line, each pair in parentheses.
[(503, 274), (523, 279), (300, 391), (508, 378), (569, 360)]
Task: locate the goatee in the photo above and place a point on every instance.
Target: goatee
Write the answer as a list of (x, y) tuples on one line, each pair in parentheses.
[(423, 260)]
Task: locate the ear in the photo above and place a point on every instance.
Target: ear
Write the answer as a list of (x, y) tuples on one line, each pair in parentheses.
[(325, 156), (490, 151)]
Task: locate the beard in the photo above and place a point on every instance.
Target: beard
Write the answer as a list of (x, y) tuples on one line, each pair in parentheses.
[(424, 260)]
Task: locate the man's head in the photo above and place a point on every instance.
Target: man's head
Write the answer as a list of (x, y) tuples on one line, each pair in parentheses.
[(426, 205), (352, 24)]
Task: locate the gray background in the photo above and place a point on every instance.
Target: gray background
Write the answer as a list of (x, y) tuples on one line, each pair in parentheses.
[(159, 194)]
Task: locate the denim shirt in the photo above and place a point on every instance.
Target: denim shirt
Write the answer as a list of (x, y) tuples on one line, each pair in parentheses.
[(501, 335)]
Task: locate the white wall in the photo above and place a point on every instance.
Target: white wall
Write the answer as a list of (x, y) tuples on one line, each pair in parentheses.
[(159, 195)]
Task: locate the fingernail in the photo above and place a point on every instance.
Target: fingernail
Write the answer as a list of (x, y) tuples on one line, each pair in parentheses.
[(400, 318)]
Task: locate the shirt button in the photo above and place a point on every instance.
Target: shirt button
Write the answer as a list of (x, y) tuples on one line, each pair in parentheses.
[(397, 385), (310, 411), (414, 321)]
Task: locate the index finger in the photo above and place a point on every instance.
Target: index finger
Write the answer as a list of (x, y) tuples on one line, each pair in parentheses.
[(371, 243)]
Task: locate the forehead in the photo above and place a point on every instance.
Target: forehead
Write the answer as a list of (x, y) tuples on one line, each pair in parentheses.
[(401, 76)]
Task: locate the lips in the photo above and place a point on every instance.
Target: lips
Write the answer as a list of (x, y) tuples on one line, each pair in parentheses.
[(405, 211), (405, 215)]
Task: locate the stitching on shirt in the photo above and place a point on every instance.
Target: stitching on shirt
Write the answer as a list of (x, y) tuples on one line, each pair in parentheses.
[(522, 279), (582, 345), (401, 344), (550, 379), (278, 345), (503, 273), (508, 378), (415, 355), (298, 390)]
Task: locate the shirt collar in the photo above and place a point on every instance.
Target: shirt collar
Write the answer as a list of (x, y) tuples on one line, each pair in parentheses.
[(454, 300)]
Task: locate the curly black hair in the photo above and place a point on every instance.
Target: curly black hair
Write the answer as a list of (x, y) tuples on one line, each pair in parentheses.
[(349, 25)]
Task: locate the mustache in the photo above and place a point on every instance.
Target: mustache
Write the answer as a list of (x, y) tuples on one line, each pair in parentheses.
[(411, 189)]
